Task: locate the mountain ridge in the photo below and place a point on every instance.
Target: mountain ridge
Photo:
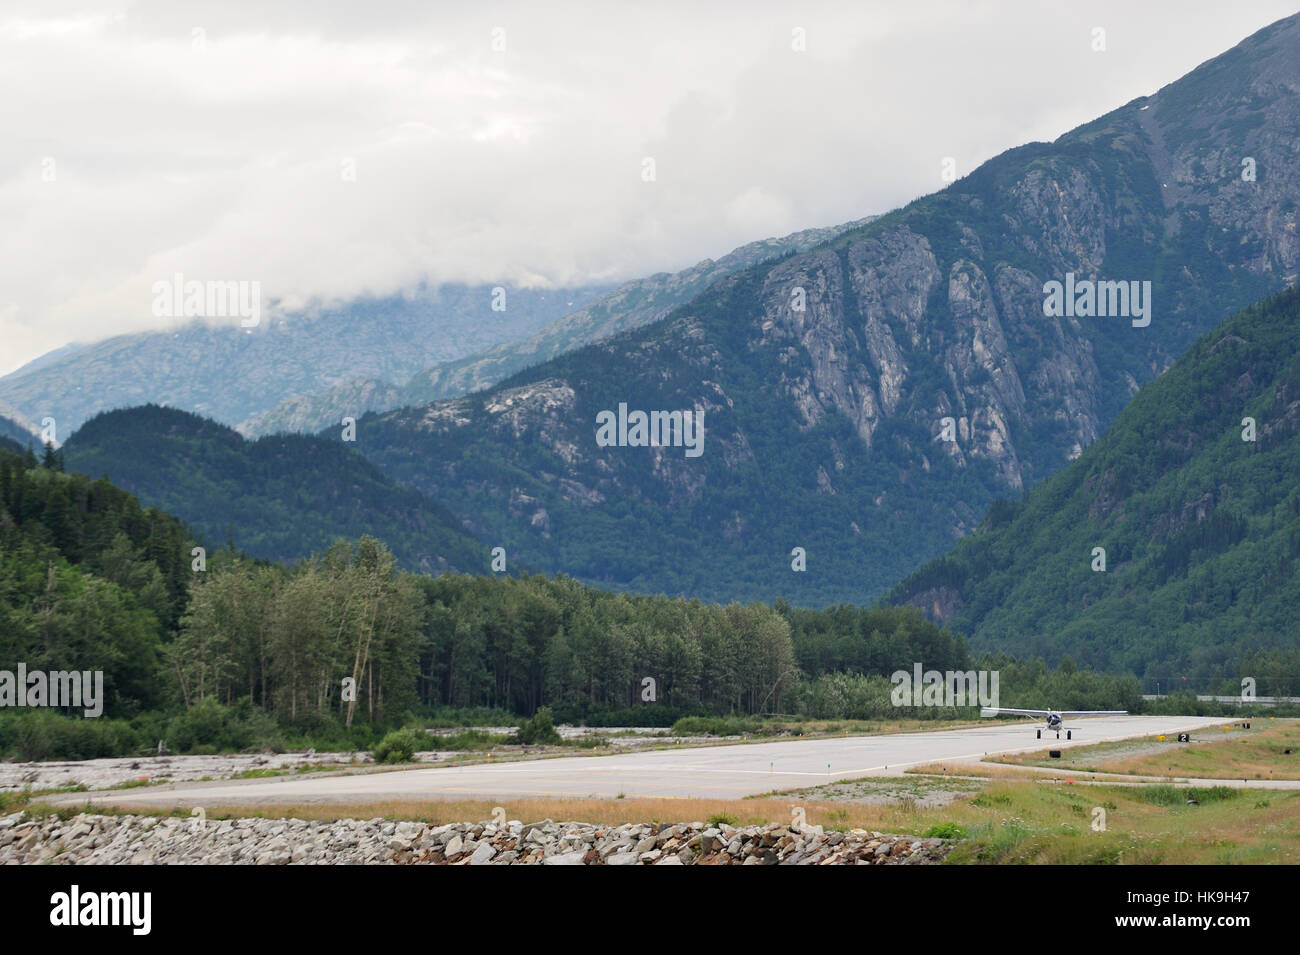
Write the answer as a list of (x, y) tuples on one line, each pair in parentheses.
[(827, 424), (230, 373)]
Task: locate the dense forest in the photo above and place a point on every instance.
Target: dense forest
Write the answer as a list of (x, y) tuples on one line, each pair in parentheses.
[(88, 579)]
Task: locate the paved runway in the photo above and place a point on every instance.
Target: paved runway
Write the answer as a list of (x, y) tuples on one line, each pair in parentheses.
[(714, 772)]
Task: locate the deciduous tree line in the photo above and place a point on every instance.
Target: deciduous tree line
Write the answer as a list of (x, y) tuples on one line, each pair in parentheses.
[(294, 641)]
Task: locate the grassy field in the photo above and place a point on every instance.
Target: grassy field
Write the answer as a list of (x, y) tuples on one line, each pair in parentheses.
[(1020, 822), (987, 770), (1260, 752)]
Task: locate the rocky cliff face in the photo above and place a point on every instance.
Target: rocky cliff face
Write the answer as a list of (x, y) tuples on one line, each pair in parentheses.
[(866, 399), (630, 306)]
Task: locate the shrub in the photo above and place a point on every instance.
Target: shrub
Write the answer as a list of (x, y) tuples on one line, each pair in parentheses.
[(451, 717), (467, 740), (400, 746), (713, 725), (944, 830), (1163, 795), (208, 727), (538, 731), (48, 735), (202, 725)]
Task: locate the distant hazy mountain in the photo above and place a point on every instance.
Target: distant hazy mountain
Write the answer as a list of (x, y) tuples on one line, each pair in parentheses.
[(281, 497), (630, 306), (827, 428), (230, 373), (1200, 529)]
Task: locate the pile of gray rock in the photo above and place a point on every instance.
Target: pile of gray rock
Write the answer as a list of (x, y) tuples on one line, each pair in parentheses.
[(144, 840)]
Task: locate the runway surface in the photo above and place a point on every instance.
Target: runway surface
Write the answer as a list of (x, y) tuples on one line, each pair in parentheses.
[(712, 772)]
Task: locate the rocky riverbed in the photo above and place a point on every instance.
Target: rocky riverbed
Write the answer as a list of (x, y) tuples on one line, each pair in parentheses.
[(134, 770), (147, 840)]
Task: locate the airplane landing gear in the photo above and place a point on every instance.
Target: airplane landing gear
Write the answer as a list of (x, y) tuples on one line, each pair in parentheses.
[(1069, 734), (1058, 735), (1040, 734)]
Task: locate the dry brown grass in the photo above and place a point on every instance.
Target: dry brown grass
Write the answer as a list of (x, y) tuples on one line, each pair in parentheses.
[(1260, 755), (1257, 753), (609, 812)]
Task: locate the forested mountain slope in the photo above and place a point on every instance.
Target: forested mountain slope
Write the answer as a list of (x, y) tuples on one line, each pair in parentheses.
[(1200, 527), (281, 497)]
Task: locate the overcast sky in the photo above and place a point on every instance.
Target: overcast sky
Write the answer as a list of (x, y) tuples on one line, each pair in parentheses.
[(329, 150)]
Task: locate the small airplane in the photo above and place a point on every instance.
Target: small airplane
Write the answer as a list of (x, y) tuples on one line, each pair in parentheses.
[(1053, 717)]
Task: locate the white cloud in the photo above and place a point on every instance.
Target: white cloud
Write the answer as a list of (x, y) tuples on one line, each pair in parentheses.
[(222, 158)]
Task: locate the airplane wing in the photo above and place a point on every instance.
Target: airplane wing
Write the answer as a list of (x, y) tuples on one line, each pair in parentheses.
[(995, 710)]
